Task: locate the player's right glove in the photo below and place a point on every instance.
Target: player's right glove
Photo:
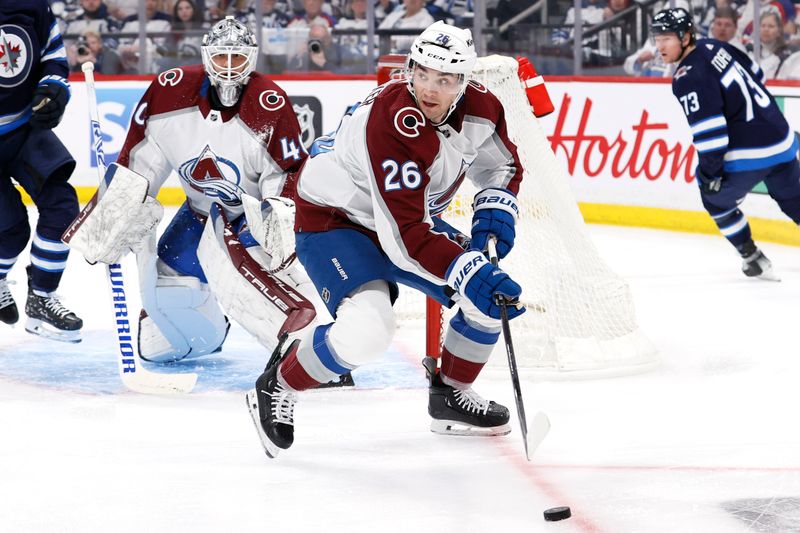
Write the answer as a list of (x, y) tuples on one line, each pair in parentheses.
[(49, 102), (708, 184), (475, 278)]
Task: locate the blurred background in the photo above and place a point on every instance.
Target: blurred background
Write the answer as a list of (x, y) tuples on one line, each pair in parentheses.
[(562, 37)]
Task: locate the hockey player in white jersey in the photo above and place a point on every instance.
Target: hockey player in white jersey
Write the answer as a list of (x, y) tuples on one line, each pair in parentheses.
[(233, 139), (368, 202)]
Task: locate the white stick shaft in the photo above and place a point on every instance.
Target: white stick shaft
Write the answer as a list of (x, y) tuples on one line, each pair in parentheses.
[(94, 117)]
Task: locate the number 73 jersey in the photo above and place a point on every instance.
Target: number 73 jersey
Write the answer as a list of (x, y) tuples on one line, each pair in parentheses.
[(735, 122)]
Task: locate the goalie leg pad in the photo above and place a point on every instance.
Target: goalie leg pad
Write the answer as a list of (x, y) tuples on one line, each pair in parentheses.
[(187, 322), (116, 219)]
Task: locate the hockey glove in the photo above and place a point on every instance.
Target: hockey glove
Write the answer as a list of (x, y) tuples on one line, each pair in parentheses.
[(475, 278), (49, 102), (708, 184), (495, 213)]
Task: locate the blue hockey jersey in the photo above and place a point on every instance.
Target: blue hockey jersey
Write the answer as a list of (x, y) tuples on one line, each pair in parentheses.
[(31, 53), (735, 122)]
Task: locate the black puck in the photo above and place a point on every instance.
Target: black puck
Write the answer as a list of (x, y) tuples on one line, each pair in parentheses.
[(557, 513)]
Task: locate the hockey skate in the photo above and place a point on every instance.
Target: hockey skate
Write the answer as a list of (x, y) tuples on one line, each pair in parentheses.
[(48, 318), (462, 412), (756, 265), (271, 407), (8, 307)]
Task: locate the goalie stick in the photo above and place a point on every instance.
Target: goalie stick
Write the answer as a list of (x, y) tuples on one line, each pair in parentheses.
[(541, 424), (133, 374)]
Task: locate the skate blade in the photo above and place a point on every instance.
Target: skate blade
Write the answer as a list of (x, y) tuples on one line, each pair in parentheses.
[(769, 275), (252, 406), (42, 329), (460, 429)]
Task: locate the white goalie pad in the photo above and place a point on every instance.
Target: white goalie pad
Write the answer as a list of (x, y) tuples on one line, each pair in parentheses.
[(260, 302), (271, 223), (117, 219)]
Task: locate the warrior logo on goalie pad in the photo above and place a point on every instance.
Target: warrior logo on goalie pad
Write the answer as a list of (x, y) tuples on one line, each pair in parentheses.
[(214, 176)]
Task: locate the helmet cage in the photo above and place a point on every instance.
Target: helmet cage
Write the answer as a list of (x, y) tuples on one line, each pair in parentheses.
[(221, 48)]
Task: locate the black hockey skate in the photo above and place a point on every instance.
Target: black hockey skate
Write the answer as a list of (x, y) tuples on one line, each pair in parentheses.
[(47, 317), (8, 307), (755, 264), (462, 412), (271, 407)]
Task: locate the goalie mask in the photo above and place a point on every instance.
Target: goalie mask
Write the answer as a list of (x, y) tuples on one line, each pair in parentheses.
[(446, 49), (229, 56)]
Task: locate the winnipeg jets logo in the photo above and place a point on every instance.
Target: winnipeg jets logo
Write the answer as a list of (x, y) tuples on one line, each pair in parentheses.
[(305, 116), (15, 55), (438, 202), (214, 176), (683, 71)]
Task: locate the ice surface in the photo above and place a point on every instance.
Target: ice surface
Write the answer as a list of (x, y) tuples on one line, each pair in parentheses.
[(708, 442)]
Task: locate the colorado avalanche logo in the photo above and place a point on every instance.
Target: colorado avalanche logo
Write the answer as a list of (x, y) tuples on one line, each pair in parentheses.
[(305, 116), (438, 202), (408, 121), (214, 176), (171, 77), (478, 87), (271, 100), (15, 55)]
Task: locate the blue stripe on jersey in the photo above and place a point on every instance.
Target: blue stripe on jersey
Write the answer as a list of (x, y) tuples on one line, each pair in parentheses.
[(324, 352), (15, 120), (757, 158), (708, 125)]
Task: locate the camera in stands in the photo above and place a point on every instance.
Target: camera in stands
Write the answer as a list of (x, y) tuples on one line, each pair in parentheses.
[(315, 46), (83, 47)]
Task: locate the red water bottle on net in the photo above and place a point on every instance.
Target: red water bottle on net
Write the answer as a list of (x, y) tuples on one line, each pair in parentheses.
[(535, 88)]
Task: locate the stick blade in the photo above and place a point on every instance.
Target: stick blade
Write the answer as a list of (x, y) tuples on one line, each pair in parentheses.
[(538, 430), (164, 384)]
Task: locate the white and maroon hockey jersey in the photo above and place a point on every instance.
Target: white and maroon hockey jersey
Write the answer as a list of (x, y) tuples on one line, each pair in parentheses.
[(388, 171), (253, 147)]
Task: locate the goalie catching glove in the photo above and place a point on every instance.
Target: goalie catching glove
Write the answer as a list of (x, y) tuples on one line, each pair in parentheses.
[(472, 276), (271, 222), (117, 218), (495, 213)]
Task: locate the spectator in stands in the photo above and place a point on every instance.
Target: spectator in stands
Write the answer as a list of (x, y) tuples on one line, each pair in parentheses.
[(616, 41), (122, 9), (275, 15), (323, 53), (723, 27), (411, 16), (591, 14), (183, 46), (312, 14), (155, 22), (355, 18), (383, 8), (773, 46), (90, 48), (784, 8), (459, 12), (95, 17)]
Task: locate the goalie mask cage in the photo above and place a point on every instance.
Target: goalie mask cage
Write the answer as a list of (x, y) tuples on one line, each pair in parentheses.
[(580, 320)]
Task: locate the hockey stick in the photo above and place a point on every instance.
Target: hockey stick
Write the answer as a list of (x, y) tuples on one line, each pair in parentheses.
[(541, 424), (133, 374)]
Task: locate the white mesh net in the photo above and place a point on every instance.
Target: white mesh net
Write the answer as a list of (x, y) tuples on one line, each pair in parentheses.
[(580, 317)]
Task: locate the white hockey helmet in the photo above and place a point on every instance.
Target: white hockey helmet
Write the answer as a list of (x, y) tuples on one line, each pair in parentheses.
[(447, 49), (229, 56)]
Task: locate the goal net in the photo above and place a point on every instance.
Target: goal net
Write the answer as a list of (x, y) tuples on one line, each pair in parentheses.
[(580, 317)]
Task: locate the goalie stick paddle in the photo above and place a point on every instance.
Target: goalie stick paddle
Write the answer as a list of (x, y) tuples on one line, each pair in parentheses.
[(134, 376), (541, 424)]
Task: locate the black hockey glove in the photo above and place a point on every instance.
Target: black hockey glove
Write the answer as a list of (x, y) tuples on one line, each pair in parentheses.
[(708, 184), (49, 102)]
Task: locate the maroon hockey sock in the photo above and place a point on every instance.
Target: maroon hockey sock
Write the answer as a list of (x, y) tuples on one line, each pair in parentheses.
[(459, 370), (294, 374)]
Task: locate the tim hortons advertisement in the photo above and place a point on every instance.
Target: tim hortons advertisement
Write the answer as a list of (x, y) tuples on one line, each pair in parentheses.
[(620, 143)]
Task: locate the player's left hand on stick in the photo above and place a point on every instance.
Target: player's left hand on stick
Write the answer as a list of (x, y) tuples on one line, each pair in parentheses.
[(708, 184), (49, 102), (271, 222), (495, 213)]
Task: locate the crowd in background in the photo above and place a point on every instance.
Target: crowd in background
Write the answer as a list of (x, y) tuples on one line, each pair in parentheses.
[(330, 35)]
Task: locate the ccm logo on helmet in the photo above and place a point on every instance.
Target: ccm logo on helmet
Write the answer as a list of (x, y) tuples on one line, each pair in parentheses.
[(408, 121)]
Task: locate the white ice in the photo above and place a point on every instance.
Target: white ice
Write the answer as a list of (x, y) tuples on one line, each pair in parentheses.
[(707, 442)]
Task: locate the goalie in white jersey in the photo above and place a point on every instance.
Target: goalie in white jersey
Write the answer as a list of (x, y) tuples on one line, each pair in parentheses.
[(233, 138), (367, 219)]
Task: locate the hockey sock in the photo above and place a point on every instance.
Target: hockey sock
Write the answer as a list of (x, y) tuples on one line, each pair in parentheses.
[(733, 225)]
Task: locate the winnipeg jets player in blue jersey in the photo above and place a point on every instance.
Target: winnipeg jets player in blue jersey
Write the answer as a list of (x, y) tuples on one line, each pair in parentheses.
[(33, 95), (740, 134)]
